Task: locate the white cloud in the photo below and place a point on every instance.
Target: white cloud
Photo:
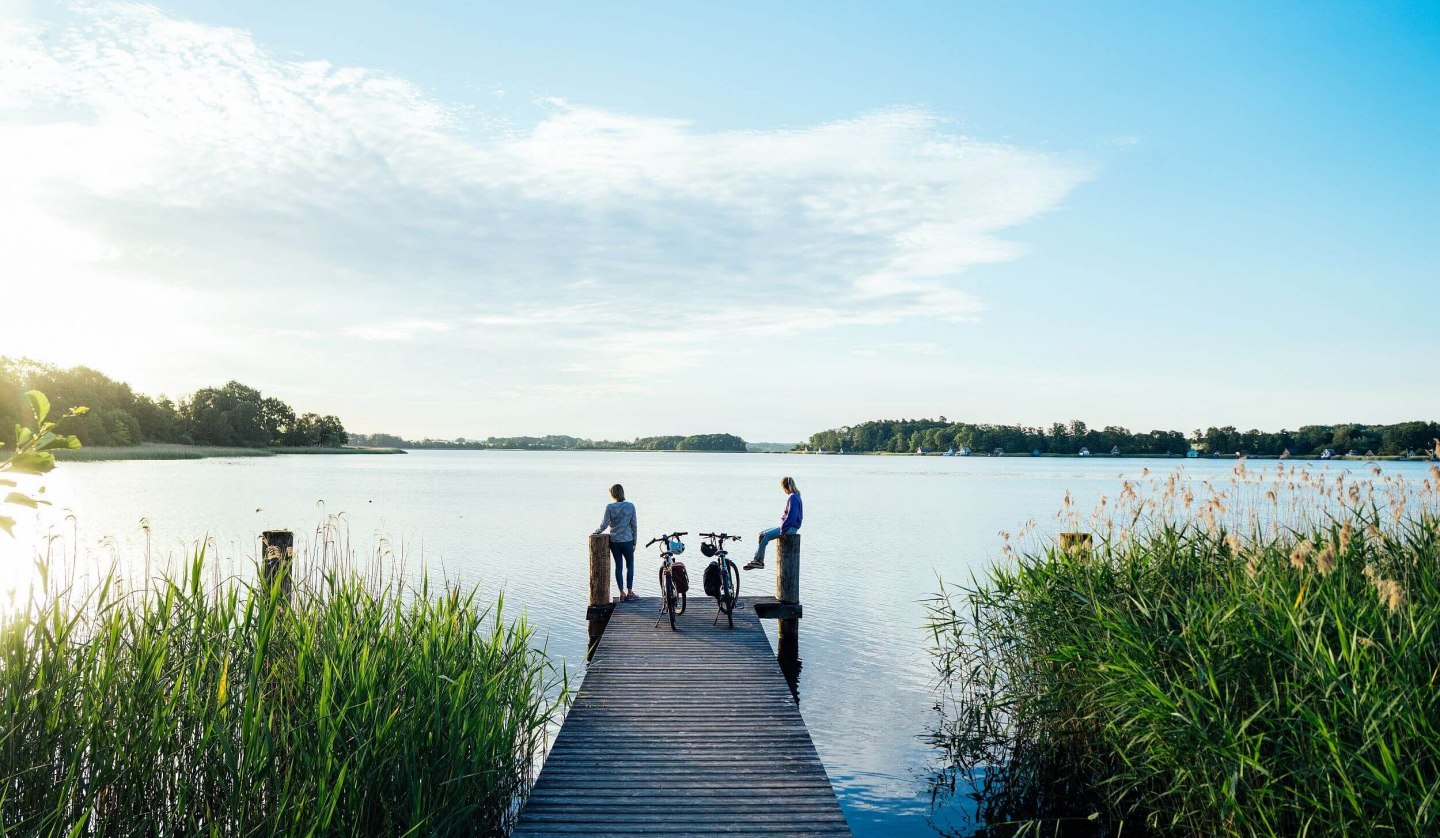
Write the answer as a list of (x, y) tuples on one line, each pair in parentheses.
[(398, 329), (137, 147)]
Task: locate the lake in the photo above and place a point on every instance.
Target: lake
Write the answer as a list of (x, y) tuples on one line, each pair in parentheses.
[(878, 531)]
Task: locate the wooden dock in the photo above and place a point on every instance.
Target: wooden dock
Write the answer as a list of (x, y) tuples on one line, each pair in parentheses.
[(688, 732)]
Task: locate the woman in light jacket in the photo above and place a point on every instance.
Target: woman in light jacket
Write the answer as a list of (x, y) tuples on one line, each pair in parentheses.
[(620, 519)]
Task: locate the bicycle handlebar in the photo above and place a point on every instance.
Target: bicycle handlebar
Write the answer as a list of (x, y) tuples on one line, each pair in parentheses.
[(721, 535), (665, 537)]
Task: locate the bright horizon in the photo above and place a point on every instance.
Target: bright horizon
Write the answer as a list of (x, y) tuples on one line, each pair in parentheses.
[(609, 222)]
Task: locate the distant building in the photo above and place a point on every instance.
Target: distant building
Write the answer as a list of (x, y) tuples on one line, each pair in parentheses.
[(1084, 452), (1115, 452), (1192, 454)]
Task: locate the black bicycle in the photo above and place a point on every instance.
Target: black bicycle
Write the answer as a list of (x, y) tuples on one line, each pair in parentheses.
[(672, 595), (722, 577)]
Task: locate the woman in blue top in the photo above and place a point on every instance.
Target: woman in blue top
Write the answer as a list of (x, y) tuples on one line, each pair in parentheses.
[(620, 518), (789, 523)]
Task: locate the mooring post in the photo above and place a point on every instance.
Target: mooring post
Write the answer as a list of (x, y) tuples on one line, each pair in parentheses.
[(277, 552), (598, 613), (787, 590)]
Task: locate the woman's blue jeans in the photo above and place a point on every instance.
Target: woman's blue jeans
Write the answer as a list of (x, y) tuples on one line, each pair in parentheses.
[(770, 535), (624, 554)]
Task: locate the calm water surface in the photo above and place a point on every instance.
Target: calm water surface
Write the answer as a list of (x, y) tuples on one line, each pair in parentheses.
[(878, 531)]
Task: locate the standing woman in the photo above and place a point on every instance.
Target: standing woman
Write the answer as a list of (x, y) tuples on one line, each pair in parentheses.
[(620, 518), (789, 523)]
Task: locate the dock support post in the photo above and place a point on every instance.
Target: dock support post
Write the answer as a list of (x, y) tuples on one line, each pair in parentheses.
[(787, 591), (598, 613), (277, 554)]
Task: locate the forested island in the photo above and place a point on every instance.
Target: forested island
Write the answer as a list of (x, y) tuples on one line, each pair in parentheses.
[(728, 443), (905, 436), (232, 415)]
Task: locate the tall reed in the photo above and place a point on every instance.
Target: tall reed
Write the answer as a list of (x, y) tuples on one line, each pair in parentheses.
[(349, 707), (1185, 678)]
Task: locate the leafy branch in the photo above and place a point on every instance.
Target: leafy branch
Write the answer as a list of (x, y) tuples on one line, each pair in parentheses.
[(32, 454)]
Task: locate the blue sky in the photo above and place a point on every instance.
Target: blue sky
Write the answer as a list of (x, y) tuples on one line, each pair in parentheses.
[(624, 219)]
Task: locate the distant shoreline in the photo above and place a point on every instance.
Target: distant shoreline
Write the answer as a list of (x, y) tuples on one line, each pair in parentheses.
[(1315, 458), (176, 451)]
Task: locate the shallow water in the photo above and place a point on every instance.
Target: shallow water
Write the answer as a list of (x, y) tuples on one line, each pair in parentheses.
[(878, 532)]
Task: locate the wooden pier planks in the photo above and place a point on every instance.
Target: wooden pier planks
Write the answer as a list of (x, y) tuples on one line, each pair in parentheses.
[(683, 733)]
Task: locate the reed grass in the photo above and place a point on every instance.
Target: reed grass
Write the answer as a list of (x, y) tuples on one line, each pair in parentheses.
[(348, 706), (1185, 677)]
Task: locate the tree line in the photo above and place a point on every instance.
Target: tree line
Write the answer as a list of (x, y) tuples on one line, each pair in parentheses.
[(229, 415), (558, 442), (910, 435)]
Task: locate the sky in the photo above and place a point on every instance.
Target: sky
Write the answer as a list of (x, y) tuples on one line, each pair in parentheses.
[(622, 219)]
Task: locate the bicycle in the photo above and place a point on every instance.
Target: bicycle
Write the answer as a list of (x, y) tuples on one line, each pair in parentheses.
[(672, 599), (725, 589)]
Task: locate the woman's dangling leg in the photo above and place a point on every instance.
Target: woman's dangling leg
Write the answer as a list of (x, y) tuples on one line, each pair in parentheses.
[(761, 542)]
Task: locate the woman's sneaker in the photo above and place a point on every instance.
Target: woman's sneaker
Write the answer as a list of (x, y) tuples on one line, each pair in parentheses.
[(757, 563)]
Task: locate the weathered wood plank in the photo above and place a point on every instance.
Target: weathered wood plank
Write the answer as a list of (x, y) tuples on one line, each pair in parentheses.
[(682, 733)]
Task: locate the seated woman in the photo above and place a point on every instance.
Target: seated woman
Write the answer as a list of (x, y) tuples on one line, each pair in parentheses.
[(789, 523), (620, 518)]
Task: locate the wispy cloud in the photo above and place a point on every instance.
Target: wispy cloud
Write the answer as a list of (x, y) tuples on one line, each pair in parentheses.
[(138, 147), (398, 329)]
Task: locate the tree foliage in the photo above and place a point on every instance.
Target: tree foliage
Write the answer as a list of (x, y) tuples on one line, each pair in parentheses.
[(230, 415), (908, 435)]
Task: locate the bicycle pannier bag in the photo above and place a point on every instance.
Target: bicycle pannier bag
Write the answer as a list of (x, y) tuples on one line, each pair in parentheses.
[(680, 576), (712, 579)]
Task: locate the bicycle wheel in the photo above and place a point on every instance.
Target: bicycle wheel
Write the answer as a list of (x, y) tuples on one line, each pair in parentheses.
[(729, 591), (679, 602), (669, 599)]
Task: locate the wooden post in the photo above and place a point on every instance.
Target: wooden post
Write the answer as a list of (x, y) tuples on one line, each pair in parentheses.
[(277, 552), (787, 568), (601, 603), (787, 590)]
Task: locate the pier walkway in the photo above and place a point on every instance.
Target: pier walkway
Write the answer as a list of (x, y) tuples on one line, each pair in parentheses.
[(689, 732)]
